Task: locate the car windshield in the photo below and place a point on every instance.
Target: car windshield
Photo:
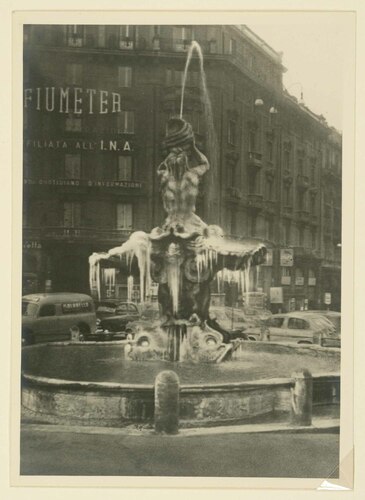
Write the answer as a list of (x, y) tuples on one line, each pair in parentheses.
[(322, 322), (110, 308), (29, 308)]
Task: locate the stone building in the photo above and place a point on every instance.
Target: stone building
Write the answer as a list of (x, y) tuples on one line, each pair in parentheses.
[(96, 101)]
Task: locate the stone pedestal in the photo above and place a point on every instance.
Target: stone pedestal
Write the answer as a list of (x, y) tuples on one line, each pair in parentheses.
[(167, 388), (302, 398)]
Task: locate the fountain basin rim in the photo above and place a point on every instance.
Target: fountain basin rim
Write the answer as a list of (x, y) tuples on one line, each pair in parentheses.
[(88, 385)]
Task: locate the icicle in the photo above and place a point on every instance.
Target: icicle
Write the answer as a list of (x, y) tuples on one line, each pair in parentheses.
[(173, 281), (109, 276), (130, 284)]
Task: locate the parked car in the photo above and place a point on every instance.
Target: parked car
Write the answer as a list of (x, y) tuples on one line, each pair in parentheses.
[(335, 318), (105, 308), (150, 318), (233, 321), (50, 316), (116, 323), (299, 328)]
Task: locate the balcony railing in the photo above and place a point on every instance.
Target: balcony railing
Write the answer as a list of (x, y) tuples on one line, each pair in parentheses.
[(254, 159), (82, 233), (303, 181), (303, 215), (255, 200), (271, 205)]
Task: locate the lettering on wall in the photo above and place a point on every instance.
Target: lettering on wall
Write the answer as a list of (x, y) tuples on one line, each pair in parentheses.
[(72, 100)]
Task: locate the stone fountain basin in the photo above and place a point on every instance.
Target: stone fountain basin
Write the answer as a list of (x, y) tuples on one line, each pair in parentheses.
[(92, 384)]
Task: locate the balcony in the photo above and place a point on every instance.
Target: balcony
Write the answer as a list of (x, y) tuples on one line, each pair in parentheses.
[(271, 206), (255, 201), (233, 193), (76, 233), (303, 215), (302, 182), (287, 210), (254, 159)]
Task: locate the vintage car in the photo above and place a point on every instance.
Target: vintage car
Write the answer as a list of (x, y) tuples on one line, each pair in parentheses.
[(299, 327)]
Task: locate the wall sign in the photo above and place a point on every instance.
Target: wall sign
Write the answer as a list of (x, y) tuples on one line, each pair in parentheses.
[(286, 257), (72, 100)]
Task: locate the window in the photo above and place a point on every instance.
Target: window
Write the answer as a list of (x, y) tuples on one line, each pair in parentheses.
[(182, 36), (124, 216), (298, 324), (252, 182), (47, 310), (125, 122), (299, 276), (73, 166), (270, 150), (287, 232), (74, 74), (71, 214), (231, 171), (276, 322), (232, 48), (286, 160), (124, 76), (124, 168), (270, 228), (101, 36), (313, 174), (169, 77), (126, 36), (29, 308), (252, 141), (301, 236), (285, 275), (313, 203), (73, 123), (314, 238), (75, 35), (269, 188), (178, 77), (300, 200), (287, 197), (311, 277), (232, 132), (233, 221), (252, 225), (300, 166), (193, 78)]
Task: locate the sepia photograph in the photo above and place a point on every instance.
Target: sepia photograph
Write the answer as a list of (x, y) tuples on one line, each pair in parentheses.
[(182, 230)]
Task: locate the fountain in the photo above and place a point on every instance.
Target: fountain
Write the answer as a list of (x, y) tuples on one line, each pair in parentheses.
[(101, 384), (185, 254)]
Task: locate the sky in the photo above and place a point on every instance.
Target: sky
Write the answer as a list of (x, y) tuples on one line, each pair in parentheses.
[(315, 52)]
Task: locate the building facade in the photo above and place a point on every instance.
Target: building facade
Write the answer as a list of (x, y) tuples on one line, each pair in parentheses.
[(96, 102)]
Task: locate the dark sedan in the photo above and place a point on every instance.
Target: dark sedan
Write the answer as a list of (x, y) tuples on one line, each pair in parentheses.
[(116, 323)]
